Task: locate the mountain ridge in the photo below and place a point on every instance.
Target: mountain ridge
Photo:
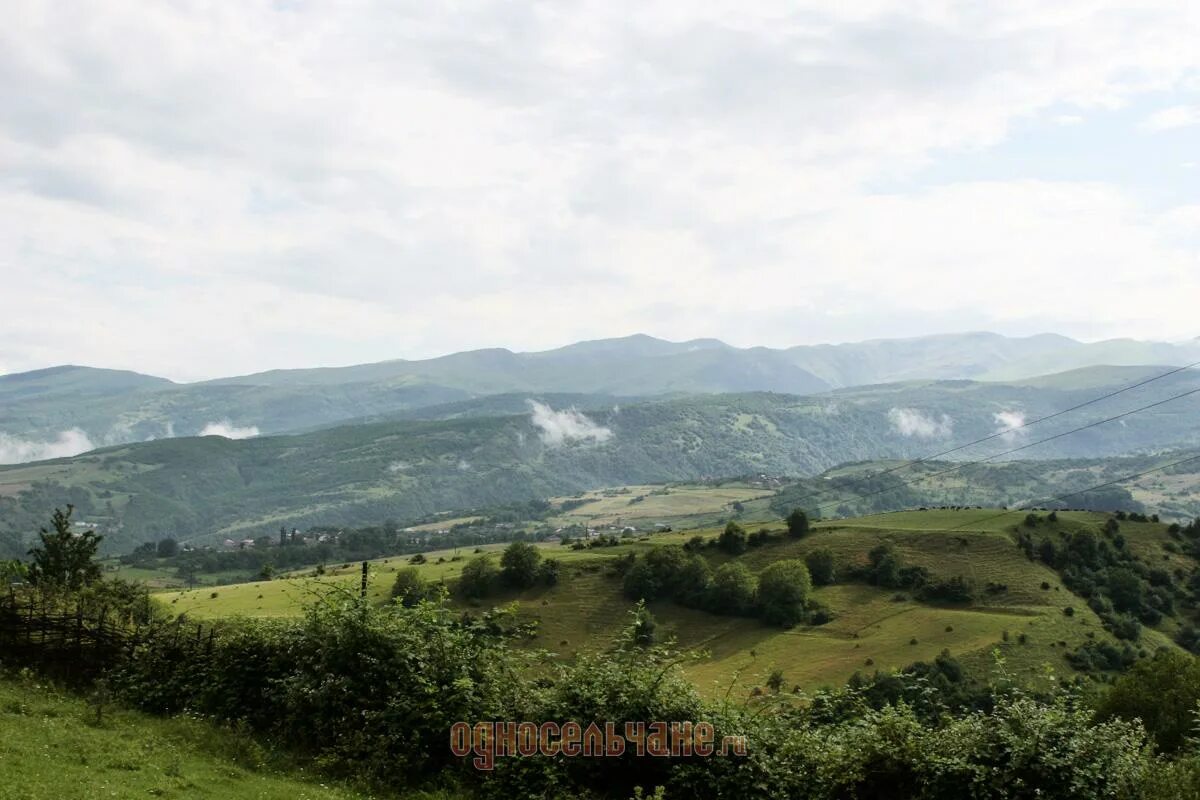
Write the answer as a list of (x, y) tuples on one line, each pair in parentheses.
[(114, 406)]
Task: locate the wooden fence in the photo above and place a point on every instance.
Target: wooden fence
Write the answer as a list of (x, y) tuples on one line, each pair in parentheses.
[(74, 639)]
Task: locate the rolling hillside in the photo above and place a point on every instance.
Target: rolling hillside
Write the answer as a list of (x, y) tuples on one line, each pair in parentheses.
[(1021, 616)]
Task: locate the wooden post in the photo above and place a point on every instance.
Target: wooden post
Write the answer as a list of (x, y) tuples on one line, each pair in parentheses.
[(363, 590)]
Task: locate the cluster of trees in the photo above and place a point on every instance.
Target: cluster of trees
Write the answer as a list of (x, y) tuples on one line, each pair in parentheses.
[(885, 569), (929, 688), (734, 540), (357, 544), (521, 567), (779, 595), (1099, 567)]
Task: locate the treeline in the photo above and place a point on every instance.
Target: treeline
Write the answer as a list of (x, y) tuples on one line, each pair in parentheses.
[(521, 567), (780, 595), (272, 554)]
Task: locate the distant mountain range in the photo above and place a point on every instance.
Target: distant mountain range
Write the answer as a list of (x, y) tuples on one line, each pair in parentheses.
[(64, 410)]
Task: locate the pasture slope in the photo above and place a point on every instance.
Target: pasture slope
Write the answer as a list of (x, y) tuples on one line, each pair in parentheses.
[(53, 748), (1020, 631)]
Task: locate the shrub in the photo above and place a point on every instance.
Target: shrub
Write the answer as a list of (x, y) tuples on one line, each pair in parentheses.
[(733, 539), (783, 591), (820, 566), (732, 589), (409, 588), (478, 578), (797, 523), (519, 565)]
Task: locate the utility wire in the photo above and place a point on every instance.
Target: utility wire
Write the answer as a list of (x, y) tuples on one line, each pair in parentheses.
[(966, 464), (1009, 431), (1033, 422), (1063, 497)]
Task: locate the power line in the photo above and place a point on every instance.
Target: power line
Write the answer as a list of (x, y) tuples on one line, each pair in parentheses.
[(1009, 431), (1063, 497), (1033, 422), (965, 464)]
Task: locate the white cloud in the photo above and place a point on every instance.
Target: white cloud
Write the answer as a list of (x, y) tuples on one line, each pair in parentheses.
[(559, 427), (1174, 117), (15, 450), (228, 430), (288, 175), (1011, 423), (913, 422)]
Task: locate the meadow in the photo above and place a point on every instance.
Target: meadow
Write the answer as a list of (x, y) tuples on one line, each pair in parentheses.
[(53, 748), (1021, 630)]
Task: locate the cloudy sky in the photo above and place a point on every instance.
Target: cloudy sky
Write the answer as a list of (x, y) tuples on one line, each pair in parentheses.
[(194, 189)]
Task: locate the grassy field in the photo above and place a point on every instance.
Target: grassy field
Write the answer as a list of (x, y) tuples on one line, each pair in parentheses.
[(52, 748), (644, 506), (1022, 623)]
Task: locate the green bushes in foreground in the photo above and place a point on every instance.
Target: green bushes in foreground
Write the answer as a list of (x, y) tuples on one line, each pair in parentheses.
[(371, 693)]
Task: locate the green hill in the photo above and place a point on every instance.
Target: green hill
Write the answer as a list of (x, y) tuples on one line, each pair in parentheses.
[(209, 488), (1018, 611)]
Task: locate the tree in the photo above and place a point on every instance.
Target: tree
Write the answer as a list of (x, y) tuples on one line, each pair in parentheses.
[(409, 588), (641, 583), (820, 566), (519, 565), (732, 589), (783, 590), (669, 566), (1162, 692), (478, 578), (65, 558), (693, 581), (167, 548), (733, 539), (885, 567), (797, 523)]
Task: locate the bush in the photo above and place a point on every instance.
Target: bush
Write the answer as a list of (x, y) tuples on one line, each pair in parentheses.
[(1163, 692), (820, 566), (783, 591), (367, 692), (733, 539), (409, 588), (732, 589), (797, 523), (478, 578), (519, 565)]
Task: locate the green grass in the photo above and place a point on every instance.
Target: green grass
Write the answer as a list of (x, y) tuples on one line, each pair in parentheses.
[(872, 629), (52, 748)]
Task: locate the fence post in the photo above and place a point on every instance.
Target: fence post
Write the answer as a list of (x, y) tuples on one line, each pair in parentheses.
[(363, 590)]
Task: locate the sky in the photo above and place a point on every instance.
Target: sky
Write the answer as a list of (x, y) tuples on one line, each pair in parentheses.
[(204, 189)]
